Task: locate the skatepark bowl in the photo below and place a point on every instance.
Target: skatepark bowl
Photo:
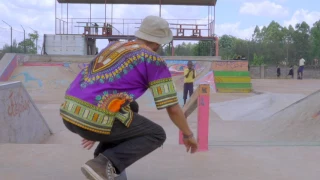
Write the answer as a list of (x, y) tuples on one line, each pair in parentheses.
[(270, 133)]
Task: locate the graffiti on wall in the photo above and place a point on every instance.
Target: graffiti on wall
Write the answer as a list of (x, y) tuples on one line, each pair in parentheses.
[(17, 103), (230, 65), (27, 78), (176, 67), (22, 59)]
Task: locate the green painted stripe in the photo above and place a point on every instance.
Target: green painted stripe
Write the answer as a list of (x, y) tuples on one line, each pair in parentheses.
[(237, 90), (231, 73), (239, 79), (233, 85)]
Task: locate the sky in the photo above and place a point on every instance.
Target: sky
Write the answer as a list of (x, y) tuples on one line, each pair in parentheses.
[(233, 17)]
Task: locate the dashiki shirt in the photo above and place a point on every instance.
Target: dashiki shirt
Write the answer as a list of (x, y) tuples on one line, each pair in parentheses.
[(120, 74)]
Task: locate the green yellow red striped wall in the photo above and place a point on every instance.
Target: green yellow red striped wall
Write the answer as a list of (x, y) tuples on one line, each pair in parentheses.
[(233, 81), (232, 76)]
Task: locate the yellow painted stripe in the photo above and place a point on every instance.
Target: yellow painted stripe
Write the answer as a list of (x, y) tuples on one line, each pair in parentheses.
[(225, 90), (232, 79)]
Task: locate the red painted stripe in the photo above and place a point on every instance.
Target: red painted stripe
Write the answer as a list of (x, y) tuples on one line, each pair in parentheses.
[(9, 69), (41, 64)]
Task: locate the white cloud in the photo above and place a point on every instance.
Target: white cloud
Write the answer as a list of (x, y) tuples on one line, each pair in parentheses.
[(309, 17), (281, 1), (4, 10), (264, 8), (234, 30), (39, 15)]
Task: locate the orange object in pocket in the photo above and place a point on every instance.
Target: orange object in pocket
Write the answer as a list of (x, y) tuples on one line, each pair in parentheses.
[(115, 105)]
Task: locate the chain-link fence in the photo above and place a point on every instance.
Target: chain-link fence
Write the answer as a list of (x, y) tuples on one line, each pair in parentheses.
[(12, 39)]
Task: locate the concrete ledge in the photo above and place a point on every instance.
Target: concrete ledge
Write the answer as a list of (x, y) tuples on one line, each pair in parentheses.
[(81, 59), (20, 119), (59, 58)]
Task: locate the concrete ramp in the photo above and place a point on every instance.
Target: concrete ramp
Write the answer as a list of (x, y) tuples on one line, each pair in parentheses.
[(299, 122), (254, 108), (20, 119)]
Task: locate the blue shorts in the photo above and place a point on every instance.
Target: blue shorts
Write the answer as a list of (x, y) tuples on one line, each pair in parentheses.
[(300, 69)]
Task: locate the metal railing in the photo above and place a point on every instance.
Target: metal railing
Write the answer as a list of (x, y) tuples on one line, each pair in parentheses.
[(122, 26)]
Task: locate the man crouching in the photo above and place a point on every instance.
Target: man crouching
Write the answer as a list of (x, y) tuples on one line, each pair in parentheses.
[(97, 103)]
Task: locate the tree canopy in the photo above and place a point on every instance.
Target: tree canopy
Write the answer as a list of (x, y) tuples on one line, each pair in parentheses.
[(272, 44), (27, 46)]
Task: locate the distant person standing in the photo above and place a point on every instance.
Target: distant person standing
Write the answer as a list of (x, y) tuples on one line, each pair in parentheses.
[(96, 28), (278, 71), (290, 72), (301, 67), (189, 76)]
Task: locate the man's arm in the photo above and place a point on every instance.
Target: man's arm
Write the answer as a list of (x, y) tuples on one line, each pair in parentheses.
[(164, 92), (186, 74), (194, 73), (177, 117)]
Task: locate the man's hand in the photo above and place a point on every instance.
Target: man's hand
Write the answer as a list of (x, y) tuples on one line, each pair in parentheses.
[(191, 144), (87, 144), (194, 74), (190, 70)]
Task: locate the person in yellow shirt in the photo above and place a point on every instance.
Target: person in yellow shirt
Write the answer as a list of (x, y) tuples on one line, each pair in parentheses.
[(189, 76)]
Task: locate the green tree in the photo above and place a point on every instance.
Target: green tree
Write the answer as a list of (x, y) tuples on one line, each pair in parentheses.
[(203, 48), (257, 60), (227, 46), (315, 40), (270, 44), (29, 43), (273, 43), (301, 40), (15, 48)]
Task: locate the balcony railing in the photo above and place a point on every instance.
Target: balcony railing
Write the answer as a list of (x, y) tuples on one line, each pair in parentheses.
[(118, 26)]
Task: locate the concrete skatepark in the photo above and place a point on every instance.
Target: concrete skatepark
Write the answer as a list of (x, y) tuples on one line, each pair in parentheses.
[(282, 143)]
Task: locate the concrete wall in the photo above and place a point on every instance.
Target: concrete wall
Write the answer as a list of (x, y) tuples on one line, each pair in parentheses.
[(59, 58), (65, 44), (7, 65), (268, 72), (193, 58), (88, 58), (20, 120)]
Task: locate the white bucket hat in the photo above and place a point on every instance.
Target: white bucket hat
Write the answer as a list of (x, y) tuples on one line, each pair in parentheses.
[(155, 29)]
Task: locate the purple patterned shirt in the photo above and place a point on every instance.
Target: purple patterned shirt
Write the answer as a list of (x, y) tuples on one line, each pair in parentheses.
[(122, 71)]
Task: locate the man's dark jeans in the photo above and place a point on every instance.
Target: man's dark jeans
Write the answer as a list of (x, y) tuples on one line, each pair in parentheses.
[(124, 146), (187, 87)]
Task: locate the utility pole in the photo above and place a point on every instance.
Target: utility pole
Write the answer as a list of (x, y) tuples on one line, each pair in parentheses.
[(24, 40), (10, 34)]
